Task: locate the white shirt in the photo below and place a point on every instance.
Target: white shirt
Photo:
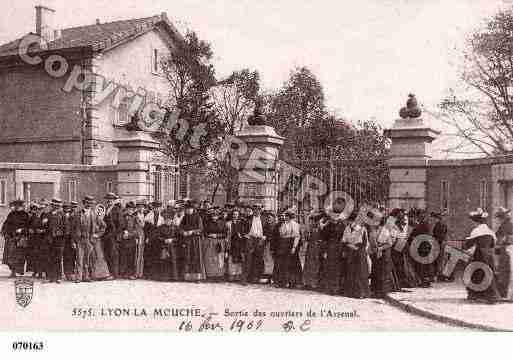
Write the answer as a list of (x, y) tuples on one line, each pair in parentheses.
[(256, 227)]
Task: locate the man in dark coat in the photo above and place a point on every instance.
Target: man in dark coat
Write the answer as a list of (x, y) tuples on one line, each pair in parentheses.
[(56, 240), (32, 226), (128, 235), (14, 230), (70, 222), (440, 235), (112, 219)]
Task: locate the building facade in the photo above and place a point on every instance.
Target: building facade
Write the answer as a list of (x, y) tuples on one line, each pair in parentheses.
[(64, 132)]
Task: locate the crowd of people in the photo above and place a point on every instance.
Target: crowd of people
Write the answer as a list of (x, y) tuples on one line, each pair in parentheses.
[(190, 241)]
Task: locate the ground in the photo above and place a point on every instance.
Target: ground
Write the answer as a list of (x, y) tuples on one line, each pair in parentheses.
[(448, 300), (100, 305)]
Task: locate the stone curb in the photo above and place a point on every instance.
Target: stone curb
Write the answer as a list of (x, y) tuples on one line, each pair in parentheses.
[(409, 308)]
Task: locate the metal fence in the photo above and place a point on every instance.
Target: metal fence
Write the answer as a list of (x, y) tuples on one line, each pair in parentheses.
[(366, 181)]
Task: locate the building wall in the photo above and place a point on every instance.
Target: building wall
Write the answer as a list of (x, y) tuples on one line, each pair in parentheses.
[(130, 66), (40, 121), (464, 193)]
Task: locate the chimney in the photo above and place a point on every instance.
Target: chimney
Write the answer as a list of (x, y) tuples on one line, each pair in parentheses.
[(98, 22), (45, 23)]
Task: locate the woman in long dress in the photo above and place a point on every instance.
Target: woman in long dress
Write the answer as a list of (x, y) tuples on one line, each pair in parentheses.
[(191, 230), (334, 264), (403, 265), (14, 231), (214, 245), (482, 242), (236, 244), (289, 270), (312, 270), (166, 244), (504, 252), (139, 252), (383, 280), (355, 238)]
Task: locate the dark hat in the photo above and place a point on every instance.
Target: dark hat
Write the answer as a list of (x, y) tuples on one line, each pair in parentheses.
[(141, 202), (17, 202), (396, 212), (437, 215), (44, 202), (156, 204), (88, 199), (268, 212), (502, 212), (189, 204), (74, 204), (229, 205), (130, 204), (56, 202), (67, 206), (317, 215), (111, 195), (478, 215)]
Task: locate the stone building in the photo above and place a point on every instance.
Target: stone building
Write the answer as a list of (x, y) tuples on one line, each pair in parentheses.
[(453, 186), (63, 134)]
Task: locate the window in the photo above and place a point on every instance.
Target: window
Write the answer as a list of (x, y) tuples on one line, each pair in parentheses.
[(444, 196), (483, 194), (184, 185), (3, 192), (119, 114), (155, 61), (110, 187), (157, 185), (72, 190)]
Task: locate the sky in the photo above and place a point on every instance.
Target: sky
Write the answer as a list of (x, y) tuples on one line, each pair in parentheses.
[(368, 54)]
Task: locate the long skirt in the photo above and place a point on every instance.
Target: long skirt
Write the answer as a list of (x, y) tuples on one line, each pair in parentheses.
[(213, 254), (356, 283), (194, 267), (333, 268), (139, 259), (404, 269), (505, 271), (268, 261), (288, 271), (491, 293), (234, 269), (31, 253), (14, 254), (166, 265), (312, 268), (383, 280), (99, 267)]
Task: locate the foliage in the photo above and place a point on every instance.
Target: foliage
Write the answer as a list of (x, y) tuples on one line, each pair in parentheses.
[(191, 76)]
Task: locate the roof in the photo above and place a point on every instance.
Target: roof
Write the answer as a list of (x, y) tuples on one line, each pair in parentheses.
[(100, 36)]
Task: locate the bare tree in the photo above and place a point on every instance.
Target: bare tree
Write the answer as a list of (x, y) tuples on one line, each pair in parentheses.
[(482, 113)]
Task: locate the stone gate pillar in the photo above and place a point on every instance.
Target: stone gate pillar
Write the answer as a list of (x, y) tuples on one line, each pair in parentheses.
[(409, 155), (257, 172), (136, 151)]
